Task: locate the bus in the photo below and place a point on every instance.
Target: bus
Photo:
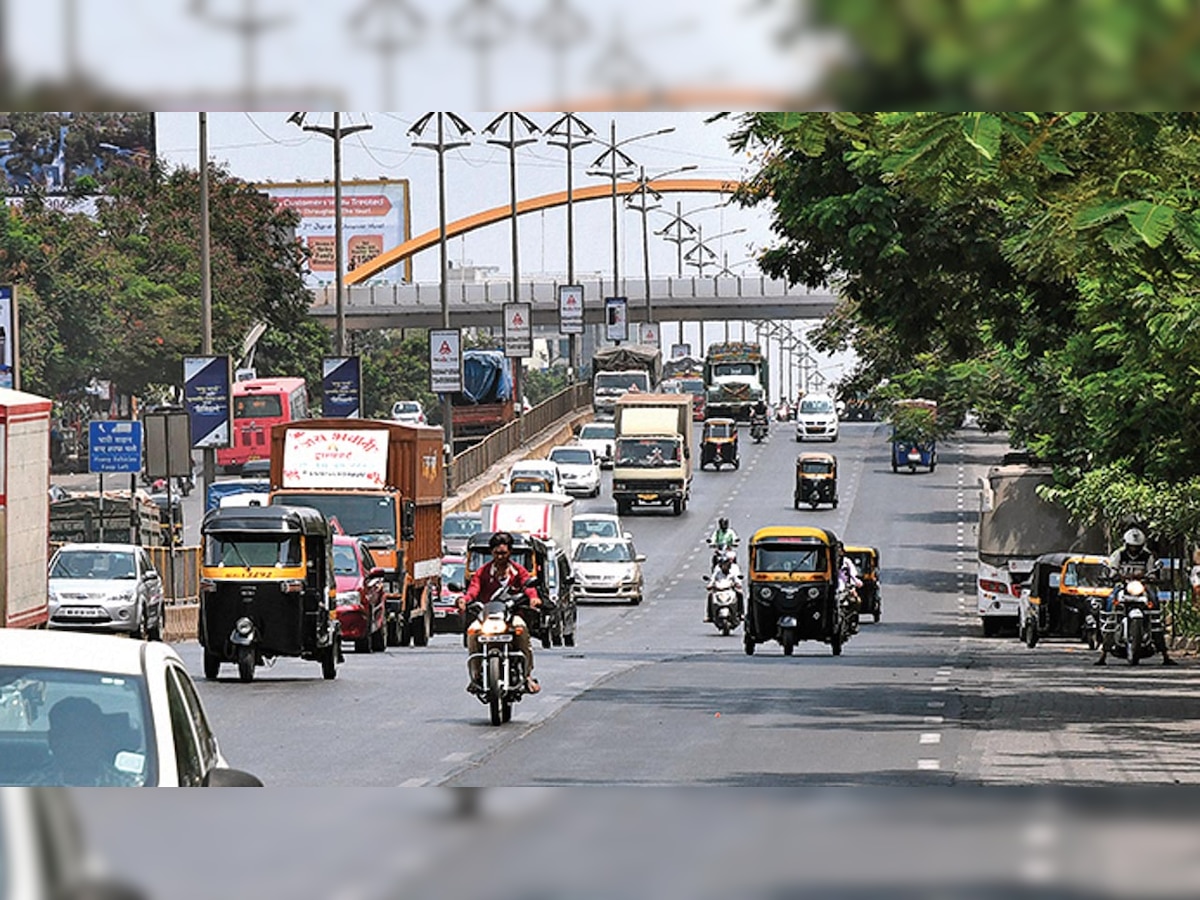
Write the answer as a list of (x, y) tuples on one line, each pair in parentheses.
[(259, 403)]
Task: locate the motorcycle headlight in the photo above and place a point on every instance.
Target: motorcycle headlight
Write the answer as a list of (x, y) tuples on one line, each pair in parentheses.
[(244, 627), (493, 626)]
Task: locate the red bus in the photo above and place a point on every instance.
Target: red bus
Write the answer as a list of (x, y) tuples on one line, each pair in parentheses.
[(258, 404)]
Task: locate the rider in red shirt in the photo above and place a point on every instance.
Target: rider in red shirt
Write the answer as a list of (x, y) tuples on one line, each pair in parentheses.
[(484, 584)]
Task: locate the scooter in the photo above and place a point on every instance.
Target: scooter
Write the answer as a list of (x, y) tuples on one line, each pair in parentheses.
[(724, 608)]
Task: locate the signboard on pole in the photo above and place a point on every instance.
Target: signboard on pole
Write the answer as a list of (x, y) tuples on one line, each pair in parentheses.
[(518, 330), (114, 446), (206, 394), (616, 318), (649, 333), (680, 350), (8, 363), (570, 309), (445, 361), (168, 444), (341, 387)]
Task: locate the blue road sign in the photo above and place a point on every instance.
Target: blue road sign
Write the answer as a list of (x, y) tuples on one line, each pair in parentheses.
[(114, 445)]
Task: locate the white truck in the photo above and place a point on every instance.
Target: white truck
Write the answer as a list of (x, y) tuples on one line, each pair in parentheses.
[(24, 508), (616, 370), (652, 459), (1016, 526), (545, 516)]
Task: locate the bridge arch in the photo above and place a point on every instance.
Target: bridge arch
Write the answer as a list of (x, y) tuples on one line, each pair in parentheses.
[(428, 239)]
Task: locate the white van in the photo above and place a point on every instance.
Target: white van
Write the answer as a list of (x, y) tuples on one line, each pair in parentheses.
[(817, 417)]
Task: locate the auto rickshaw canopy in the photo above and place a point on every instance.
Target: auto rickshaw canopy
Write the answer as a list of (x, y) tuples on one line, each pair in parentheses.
[(720, 430), (816, 464), (791, 551)]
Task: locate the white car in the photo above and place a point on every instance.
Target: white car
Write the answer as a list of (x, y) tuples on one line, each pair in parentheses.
[(602, 525), (578, 468), (607, 569), (106, 587), (408, 412), (600, 438), (85, 710), (816, 418)]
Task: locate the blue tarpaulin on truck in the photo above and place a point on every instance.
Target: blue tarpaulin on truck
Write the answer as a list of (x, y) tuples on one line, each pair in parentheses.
[(487, 377)]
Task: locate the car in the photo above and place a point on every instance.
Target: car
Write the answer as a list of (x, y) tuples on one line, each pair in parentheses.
[(533, 474), (608, 569), (82, 710), (816, 417), (600, 438), (578, 468), (446, 617), (457, 527), (410, 412), (106, 587), (588, 525), (361, 606)]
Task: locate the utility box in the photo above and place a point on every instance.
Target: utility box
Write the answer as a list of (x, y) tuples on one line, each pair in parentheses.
[(24, 508)]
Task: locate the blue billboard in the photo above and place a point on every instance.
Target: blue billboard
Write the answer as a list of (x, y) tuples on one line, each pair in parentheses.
[(114, 446), (206, 393), (341, 387)]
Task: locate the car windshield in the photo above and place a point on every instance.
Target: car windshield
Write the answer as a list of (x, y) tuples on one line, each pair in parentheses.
[(529, 485), (461, 526), (360, 515), (603, 551), (572, 457), (478, 557), (453, 573), (585, 528), (251, 549), (97, 565), (344, 560), (789, 558), (622, 381), (722, 369), (258, 406), (596, 432), (75, 729), (647, 452), (816, 406)]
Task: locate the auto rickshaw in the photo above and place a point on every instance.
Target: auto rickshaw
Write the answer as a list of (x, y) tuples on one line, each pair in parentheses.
[(532, 484), (794, 593), (866, 559), (1063, 598), (267, 588), (816, 480), (719, 444)]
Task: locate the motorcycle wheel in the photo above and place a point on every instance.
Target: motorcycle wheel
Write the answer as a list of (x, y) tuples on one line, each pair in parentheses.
[(1031, 634), (212, 665), (245, 663), (494, 700), (788, 639), (725, 629), (329, 662), (1091, 639), (505, 711), (835, 643), (1133, 651), (547, 637)]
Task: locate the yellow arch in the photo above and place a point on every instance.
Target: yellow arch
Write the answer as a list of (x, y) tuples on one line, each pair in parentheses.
[(546, 201)]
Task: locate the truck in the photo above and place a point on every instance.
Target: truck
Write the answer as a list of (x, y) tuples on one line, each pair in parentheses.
[(625, 367), (546, 516), (1016, 526), (24, 508), (652, 459), (486, 401), (735, 378), (87, 516), (383, 482)]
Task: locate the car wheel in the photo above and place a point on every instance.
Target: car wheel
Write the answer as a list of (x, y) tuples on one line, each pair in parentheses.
[(637, 600), (989, 627), (155, 631)]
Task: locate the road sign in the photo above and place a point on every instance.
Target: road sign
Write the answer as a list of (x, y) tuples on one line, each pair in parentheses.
[(341, 387), (206, 393), (114, 446), (518, 330), (616, 319), (570, 308), (445, 361)]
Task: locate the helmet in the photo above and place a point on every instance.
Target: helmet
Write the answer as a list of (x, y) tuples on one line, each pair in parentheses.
[(1134, 538), (722, 523), (1135, 588)]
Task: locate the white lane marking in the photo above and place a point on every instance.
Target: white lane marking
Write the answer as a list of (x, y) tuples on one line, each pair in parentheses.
[(931, 737), (929, 765), (414, 782), (458, 756)]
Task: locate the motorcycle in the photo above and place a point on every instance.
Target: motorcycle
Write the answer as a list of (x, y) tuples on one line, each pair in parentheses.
[(758, 428), (724, 607), (722, 551), (502, 676), (1133, 626)]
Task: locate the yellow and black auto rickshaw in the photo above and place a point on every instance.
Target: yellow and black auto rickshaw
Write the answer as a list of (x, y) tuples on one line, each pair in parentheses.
[(267, 588), (794, 590), (866, 559), (719, 444), (816, 480), (1063, 598)]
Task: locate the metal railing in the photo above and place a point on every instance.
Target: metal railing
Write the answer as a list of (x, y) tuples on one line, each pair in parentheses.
[(476, 460), (185, 587)]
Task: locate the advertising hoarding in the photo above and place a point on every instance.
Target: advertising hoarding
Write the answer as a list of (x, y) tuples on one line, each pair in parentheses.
[(332, 458), (8, 310), (206, 394), (616, 318), (341, 387)]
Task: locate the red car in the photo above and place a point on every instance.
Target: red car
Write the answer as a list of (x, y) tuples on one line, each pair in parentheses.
[(360, 601), (446, 617)]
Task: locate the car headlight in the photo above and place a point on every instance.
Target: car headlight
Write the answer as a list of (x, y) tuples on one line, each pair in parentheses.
[(764, 592)]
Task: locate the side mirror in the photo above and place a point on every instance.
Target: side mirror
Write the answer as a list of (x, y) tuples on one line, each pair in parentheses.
[(408, 520), (456, 587), (231, 778), (641, 557), (704, 578), (628, 535)]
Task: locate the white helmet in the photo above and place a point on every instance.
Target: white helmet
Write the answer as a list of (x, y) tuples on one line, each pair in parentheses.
[(1134, 538)]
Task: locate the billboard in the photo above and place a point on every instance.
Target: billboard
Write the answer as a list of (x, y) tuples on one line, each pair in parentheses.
[(341, 387), (375, 218), (53, 151)]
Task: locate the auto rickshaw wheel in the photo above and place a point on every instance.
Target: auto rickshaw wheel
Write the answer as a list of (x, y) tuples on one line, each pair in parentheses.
[(895, 468), (1031, 634), (363, 645), (245, 664), (835, 502), (788, 638), (676, 506), (835, 642), (212, 665), (813, 503)]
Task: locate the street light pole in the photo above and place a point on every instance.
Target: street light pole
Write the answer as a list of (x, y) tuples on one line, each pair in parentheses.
[(569, 121), (206, 336), (336, 133), (645, 191)]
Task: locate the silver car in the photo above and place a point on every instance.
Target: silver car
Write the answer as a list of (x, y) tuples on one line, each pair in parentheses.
[(108, 588), (608, 569)]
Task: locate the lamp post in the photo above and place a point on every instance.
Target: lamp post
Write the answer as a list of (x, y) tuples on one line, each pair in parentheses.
[(614, 154), (440, 146), (206, 336), (701, 249), (645, 191), (336, 133), (564, 128)]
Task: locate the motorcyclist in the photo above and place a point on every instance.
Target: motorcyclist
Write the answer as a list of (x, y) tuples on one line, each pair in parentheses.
[(724, 538), (726, 567), (1134, 560), (485, 584)]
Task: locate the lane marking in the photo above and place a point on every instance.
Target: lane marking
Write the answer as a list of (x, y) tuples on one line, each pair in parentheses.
[(414, 782), (931, 737), (929, 765), (458, 756)]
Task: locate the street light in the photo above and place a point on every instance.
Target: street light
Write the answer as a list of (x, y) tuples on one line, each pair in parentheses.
[(440, 146), (678, 223), (701, 248), (336, 133), (645, 191), (613, 153)]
